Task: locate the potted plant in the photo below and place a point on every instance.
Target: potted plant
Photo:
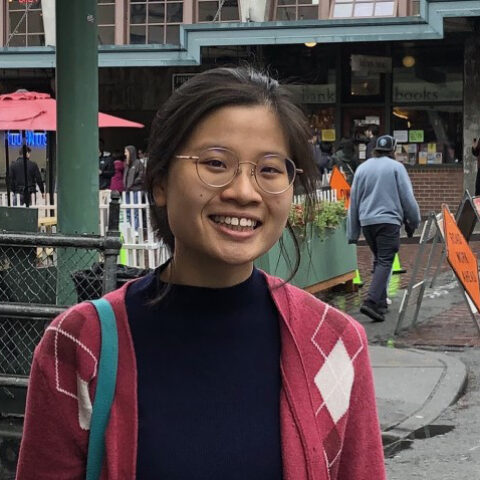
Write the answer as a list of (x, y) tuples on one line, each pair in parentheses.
[(326, 258)]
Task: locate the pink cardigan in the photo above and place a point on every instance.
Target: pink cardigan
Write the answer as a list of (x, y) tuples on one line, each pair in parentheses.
[(328, 416)]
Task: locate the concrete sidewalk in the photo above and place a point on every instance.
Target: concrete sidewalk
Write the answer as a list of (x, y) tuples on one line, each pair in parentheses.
[(413, 387)]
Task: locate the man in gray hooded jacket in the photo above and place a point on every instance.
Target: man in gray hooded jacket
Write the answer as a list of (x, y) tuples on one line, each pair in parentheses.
[(381, 200)]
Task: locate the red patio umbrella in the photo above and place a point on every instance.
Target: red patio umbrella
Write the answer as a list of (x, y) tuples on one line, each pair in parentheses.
[(24, 110)]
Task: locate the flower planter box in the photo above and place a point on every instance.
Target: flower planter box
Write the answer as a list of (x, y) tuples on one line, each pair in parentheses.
[(324, 261)]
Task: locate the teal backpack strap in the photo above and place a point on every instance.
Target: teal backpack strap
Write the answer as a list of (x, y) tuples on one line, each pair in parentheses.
[(106, 380)]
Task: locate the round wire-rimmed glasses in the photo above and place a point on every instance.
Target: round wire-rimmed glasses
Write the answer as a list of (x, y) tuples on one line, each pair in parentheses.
[(217, 167)]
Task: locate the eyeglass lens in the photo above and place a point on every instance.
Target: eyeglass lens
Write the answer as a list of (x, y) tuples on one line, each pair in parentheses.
[(218, 167)]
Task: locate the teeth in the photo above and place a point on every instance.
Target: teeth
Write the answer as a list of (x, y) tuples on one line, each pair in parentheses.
[(235, 221)]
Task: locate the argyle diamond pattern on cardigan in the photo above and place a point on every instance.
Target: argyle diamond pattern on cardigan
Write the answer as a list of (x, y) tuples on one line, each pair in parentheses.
[(335, 376), (335, 380)]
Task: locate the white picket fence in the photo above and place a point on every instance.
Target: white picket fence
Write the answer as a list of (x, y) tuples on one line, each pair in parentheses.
[(140, 246)]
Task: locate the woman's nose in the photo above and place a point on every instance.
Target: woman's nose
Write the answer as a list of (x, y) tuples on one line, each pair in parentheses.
[(244, 186)]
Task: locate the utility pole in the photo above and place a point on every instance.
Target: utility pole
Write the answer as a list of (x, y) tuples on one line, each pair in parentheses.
[(77, 134), (77, 116)]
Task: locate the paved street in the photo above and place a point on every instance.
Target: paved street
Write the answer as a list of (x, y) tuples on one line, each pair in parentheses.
[(454, 455)]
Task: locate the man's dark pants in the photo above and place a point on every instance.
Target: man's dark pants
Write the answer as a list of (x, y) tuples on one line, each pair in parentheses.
[(384, 241)]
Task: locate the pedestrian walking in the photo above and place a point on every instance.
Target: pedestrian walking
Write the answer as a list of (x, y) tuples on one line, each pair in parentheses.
[(133, 179), (371, 133), (143, 156), (381, 200), (106, 170), (118, 164), (134, 175), (476, 153), (17, 177), (225, 372), (345, 158)]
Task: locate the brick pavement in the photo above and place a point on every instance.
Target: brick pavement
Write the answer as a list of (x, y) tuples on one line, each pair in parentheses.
[(453, 327)]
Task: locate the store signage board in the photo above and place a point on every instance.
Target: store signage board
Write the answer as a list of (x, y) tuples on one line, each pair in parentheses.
[(340, 184), (321, 93), (416, 136), (32, 139), (401, 136), (371, 64), (406, 92), (461, 258)]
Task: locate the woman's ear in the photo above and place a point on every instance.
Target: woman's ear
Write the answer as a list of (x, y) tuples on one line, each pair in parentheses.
[(160, 193)]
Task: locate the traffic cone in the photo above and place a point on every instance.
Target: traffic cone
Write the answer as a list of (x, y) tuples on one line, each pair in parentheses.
[(123, 255), (396, 267), (357, 280)]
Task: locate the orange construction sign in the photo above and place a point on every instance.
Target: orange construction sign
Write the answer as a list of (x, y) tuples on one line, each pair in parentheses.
[(340, 184), (461, 258)]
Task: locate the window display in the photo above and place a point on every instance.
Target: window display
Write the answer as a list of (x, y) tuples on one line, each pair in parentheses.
[(429, 135)]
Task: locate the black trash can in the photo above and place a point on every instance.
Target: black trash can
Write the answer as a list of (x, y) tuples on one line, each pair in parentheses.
[(89, 282)]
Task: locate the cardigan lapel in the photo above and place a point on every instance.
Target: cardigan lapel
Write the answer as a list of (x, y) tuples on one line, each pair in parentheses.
[(296, 385)]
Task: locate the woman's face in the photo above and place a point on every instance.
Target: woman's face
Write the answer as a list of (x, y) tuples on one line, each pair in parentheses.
[(209, 253), (127, 155)]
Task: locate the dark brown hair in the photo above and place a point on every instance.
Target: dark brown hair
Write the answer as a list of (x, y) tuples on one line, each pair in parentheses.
[(205, 93), (380, 153)]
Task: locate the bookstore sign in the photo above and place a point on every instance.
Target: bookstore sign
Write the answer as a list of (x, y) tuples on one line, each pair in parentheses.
[(427, 92)]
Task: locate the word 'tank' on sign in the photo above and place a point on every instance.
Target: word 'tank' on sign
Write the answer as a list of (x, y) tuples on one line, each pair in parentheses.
[(461, 258)]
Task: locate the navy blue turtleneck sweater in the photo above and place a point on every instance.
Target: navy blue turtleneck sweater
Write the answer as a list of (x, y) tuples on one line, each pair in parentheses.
[(208, 364)]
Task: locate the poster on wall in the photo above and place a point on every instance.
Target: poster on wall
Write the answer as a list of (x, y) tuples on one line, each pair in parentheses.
[(422, 158), (401, 136), (432, 148), (328, 135), (416, 136)]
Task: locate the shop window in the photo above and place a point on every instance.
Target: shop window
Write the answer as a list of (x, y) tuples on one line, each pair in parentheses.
[(428, 94), (218, 11), (364, 70), (155, 21), (25, 23), (427, 74), (106, 22), (428, 135), (296, 10), (364, 8)]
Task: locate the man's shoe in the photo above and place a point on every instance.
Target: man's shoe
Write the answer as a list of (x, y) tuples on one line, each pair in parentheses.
[(384, 307), (374, 313)]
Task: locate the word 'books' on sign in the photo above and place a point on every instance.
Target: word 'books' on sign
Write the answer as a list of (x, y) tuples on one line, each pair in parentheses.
[(461, 258)]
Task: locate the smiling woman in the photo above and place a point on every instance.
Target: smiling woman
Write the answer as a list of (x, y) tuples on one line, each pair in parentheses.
[(224, 370)]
